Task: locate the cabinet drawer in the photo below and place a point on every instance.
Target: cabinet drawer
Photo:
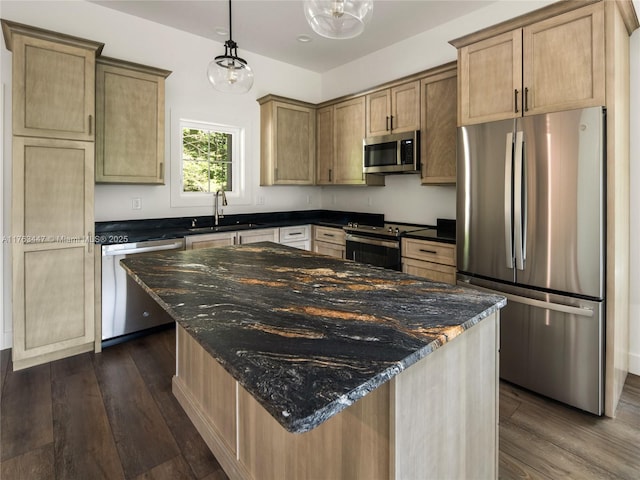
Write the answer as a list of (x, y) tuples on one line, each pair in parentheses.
[(294, 234), (437, 252), (429, 270), (329, 235)]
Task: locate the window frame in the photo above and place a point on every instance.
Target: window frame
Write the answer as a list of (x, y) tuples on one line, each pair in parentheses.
[(180, 198)]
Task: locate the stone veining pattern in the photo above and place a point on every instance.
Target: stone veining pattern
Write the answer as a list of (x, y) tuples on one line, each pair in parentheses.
[(306, 334)]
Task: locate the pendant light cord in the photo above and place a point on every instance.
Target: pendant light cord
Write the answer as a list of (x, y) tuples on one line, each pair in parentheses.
[(230, 27)]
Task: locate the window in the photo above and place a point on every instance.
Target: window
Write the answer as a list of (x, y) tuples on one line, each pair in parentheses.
[(207, 159)]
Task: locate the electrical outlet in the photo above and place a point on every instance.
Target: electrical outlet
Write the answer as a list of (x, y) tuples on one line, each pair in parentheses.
[(260, 200), (308, 199), (369, 201), (333, 199), (136, 203)]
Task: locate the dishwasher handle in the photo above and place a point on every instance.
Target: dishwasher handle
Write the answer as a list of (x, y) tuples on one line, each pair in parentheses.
[(156, 248)]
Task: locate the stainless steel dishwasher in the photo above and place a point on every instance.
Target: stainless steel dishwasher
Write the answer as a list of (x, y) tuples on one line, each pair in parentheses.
[(126, 308)]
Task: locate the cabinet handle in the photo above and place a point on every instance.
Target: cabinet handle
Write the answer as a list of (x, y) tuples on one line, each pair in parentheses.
[(515, 100), (161, 175), (295, 233), (328, 235), (387, 123), (433, 252), (391, 122), (90, 125), (330, 174), (526, 99)]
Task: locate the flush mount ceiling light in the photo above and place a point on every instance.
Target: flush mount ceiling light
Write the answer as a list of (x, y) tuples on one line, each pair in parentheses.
[(338, 18), (228, 72)]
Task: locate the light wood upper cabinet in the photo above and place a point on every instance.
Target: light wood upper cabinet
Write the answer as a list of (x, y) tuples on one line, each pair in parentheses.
[(490, 75), (53, 264), (571, 76), (325, 153), (551, 65), (348, 133), (288, 133), (340, 131), (130, 122), (393, 110), (53, 79), (439, 132)]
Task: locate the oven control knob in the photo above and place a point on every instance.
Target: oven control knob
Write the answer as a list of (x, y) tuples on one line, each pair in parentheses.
[(397, 231)]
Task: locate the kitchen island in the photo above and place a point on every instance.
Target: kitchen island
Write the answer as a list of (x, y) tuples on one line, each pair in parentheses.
[(296, 365)]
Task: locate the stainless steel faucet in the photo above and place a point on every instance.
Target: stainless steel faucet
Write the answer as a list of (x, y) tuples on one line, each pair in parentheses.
[(217, 212)]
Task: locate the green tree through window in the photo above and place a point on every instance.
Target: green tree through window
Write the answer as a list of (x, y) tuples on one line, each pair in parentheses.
[(206, 160)]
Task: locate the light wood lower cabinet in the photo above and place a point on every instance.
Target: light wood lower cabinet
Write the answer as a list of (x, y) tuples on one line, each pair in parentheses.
[(53, 259), (221, 239), (437, 419), (329, 241), (435, 261), (129, 122), (298, 236)]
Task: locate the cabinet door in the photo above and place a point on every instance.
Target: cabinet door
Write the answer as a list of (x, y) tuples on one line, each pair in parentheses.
[(490, 83), (378, 113), (254, 236), (324, 146), (431, 271), (129, 124), (53, 258), (295, 131), (330, 249), (439, 132), (405, 107), (348, 133), (54, 89), (194, 242), (563, 63)]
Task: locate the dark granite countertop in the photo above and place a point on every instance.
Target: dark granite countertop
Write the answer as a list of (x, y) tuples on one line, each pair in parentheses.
[(306, 334), (131, 231), (432, 234)]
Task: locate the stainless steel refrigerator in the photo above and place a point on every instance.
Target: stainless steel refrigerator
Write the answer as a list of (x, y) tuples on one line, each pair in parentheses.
[(531, 226)]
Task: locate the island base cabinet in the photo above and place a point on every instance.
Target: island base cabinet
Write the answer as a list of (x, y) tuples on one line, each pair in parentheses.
[(437, 419)]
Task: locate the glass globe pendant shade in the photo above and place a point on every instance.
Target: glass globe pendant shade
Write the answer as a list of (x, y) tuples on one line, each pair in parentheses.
[(230, 74), (339, 19)]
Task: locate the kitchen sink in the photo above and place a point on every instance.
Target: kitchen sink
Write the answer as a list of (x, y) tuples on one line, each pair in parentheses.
[(224, 228)]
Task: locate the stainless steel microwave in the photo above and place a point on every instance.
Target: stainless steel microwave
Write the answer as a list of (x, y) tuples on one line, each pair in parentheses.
[(394, 153)]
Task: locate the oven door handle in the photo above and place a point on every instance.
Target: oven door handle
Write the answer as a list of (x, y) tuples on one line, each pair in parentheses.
[(372, 241)]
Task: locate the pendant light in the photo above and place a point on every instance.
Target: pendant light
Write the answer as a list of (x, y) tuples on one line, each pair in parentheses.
[(228, 72), (339, 19)]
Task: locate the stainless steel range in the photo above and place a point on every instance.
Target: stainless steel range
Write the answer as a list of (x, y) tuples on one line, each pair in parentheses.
[(376, 245)]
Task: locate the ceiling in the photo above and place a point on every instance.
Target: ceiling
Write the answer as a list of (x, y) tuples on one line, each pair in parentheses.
[(271, 27)]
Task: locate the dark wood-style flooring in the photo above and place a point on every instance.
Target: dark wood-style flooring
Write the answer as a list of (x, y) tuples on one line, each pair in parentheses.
[(112, 415)]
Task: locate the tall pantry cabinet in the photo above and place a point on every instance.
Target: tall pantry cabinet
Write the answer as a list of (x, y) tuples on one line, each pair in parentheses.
[(53, 109)]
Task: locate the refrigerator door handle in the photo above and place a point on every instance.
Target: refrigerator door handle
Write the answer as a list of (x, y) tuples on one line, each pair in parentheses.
[(518, 204), (508, 182), (556, 307)]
